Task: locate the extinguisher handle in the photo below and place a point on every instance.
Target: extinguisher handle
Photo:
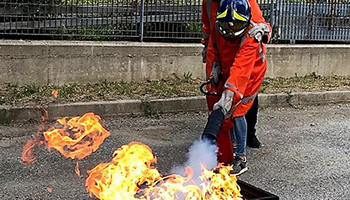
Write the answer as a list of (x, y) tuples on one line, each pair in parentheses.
[(201, 88)]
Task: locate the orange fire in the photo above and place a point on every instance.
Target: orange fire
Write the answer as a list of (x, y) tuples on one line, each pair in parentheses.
[(132, 175), (88, 135), (28, 155), (74, 138), (54, 93), (49, 189), (77, 170)]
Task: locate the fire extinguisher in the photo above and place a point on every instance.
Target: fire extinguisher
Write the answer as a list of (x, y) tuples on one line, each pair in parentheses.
[(214, 131)]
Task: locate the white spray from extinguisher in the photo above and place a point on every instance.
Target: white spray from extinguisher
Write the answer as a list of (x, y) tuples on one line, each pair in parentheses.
[(202, 152)]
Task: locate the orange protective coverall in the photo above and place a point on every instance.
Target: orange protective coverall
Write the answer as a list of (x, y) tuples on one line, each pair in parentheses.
[(208, 7), (242, 59), (243, 66)]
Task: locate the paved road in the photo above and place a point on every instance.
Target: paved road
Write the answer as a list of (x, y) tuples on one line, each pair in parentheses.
[(306, 153)]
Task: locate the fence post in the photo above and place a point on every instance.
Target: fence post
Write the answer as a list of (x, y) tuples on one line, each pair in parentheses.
[(272, 13), (141, 19)]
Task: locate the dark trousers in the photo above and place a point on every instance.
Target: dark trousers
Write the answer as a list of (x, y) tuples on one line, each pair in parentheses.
[(251, 118)]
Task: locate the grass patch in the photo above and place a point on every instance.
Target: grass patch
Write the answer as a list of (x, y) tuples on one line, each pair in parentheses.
[(12, 94), (307, 83)]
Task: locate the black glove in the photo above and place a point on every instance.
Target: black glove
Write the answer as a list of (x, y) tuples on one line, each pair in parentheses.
[(204, 53), (216, 72)]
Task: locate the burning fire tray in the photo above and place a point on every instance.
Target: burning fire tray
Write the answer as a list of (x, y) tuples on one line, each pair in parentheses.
[(251, 192)]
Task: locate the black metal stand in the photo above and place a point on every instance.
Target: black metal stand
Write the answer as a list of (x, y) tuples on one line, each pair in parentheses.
[(251, 192)]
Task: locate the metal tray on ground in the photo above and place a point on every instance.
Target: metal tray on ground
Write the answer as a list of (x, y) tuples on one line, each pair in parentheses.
[(251, 192)]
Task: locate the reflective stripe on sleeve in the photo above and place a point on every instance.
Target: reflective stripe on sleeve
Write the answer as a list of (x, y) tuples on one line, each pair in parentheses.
[(245, 100), (230, 85), (249, 98)]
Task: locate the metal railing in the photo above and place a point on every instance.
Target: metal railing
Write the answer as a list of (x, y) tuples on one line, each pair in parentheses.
[(164, 20)]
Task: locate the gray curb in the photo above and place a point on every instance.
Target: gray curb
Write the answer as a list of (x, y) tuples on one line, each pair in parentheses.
[(171, 105)]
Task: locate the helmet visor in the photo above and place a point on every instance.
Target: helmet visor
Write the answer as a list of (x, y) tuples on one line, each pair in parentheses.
[(232, 29)]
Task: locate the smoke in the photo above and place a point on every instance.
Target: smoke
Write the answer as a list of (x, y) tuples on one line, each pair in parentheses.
[(201, 152)]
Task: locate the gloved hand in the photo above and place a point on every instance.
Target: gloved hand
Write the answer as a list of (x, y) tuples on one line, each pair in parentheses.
[(216, 72), (225, 103), (204, 53), (260, 32)]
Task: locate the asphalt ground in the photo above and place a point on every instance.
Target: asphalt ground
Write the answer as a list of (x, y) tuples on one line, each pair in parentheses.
[(305, 153)]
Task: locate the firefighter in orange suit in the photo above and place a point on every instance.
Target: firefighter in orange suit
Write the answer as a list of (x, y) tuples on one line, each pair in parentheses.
[(235, 65), (209, 8), (208, 16)]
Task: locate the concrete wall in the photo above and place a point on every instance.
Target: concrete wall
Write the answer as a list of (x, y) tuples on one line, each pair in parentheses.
[(61, 62), (324, 60)]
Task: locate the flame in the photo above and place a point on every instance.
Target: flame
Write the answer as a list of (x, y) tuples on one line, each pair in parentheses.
[(77, 170), (54, 93), (132, 175), (88, 134), (28, 155)]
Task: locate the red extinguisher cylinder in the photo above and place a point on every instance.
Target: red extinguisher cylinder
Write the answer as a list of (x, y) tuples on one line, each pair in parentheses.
[(223, 140)]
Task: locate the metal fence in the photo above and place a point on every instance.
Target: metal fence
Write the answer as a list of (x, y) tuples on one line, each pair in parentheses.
[(327, 20), (164, 20)]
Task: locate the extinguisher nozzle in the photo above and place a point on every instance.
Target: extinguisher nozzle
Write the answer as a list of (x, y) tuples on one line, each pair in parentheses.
[(212, 128)]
